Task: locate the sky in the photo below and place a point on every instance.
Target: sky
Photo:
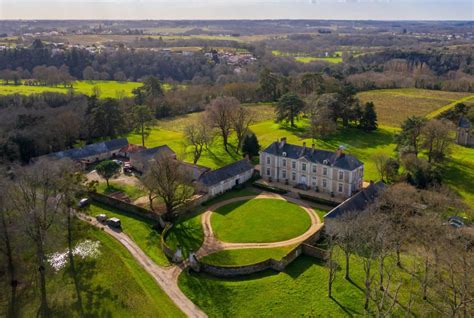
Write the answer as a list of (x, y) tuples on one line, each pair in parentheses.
[(239, 9)]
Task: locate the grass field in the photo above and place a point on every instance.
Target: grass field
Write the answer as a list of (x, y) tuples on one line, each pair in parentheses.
[(113, 285), (258, 221), (300, 290), (131, 191), (393, 106), (107, 89), (309, 59), (246, 256), (138, 229)]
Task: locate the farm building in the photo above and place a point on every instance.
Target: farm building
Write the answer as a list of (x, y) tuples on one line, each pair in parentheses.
[(140, 159), (93, 152), (465, 133), (218, 181)]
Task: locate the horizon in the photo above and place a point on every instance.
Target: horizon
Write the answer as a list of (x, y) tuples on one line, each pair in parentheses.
[(361, 10)]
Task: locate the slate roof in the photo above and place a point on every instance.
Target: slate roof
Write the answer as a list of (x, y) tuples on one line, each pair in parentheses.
[(91, 150), (345, 161), (152, 152), (357, 202), (464, 123), (216, 176)]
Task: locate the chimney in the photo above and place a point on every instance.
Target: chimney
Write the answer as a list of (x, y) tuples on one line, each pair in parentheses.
[(304, 144), (247, 157), (282, 142), (340, 151)]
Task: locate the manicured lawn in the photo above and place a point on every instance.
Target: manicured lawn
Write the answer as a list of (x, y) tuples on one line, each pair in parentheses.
[(111, 89), (259, 220), (113, 285), (138, 229), (246, 256), (393, 106), (133, 192), (299, 291)]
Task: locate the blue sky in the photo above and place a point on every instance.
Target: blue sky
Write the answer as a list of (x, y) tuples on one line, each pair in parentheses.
[(239, 9)]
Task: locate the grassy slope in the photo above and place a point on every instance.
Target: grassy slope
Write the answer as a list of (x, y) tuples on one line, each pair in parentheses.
[(138, 229), (301, 290), (121, 290), (246, 256), (259, 220)]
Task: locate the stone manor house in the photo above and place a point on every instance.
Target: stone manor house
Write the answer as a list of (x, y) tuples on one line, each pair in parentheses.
[(307, 168)]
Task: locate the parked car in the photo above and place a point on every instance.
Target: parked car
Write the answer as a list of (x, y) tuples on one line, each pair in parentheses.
[(455, 221), (119, 162), (83, 203), (114, 222), (101, 217)]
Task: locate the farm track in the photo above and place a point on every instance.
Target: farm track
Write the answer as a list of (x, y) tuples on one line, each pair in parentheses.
[(441, 110)]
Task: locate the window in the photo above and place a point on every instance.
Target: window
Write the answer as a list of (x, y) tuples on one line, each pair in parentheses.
[(268, 171), (268, 160), (325, 183), (341, 175), (293, 164), (325, 171), (283, 162), (339, 187), (293, 176), (283, 174), (313, 181), (303, 166), (314, 168)]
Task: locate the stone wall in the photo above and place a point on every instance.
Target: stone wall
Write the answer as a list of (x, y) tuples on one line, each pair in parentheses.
[(233, 271), (123, 206), (314, 251)]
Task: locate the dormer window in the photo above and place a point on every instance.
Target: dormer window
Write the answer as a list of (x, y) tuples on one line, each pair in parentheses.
[(283, 154), (326, 162)]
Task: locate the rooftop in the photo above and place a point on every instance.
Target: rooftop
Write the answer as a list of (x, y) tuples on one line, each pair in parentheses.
[(92, 149), (215, 176), (334, 159), (464, 123)]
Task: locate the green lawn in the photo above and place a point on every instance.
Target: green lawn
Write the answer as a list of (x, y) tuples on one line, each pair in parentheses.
[(138, 229), (113, 285), (301, 290), (246, 256), (133, 192), (259, 220), (107, 89), (188, 234), (309, 59)]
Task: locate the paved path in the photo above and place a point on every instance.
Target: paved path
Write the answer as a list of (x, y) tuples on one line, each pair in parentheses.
[(212, 244), (166, 277)]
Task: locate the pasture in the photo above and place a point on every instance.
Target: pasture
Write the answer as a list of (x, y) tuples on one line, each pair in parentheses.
[(393, 106), (107, 89)]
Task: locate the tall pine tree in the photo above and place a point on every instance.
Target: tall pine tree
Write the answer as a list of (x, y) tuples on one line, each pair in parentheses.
[(368, 121)]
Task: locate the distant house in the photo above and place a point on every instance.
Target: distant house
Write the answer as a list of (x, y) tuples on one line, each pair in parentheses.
[(465, 133), (140, 159), (93, 152), (218, 181), (332, 172), (358, 202)]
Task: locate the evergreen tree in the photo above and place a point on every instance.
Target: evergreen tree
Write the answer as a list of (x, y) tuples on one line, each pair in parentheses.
[(289, 107), (368, 121), (250, 145)]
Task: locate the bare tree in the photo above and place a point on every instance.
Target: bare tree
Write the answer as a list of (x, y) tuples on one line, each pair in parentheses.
[(167, 180), (437, 138), (220, 114), (242, 119), (198, 136), (331, 263), (36, 197)]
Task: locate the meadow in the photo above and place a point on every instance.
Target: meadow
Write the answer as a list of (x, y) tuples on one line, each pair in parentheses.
[(122, 290), (304, 58), (107, 89)]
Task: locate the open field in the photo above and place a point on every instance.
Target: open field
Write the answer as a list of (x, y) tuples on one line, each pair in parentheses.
[(259, 221), (246, 256), (107, 89), (121, 290), (393, 106), (309, 59), (138, 229)]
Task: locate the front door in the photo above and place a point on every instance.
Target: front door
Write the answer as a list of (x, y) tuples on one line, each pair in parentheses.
[(303, 179)]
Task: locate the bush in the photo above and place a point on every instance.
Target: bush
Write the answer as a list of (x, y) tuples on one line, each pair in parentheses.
[(317, 200), (269, 188)]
